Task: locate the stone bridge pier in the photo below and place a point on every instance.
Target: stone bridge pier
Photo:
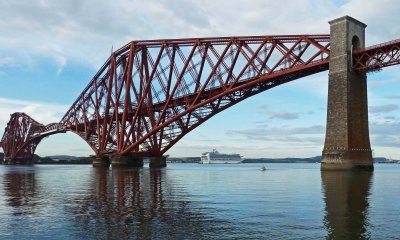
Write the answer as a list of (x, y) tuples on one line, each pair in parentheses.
[(130, 160), (17, 161), (136, 160), (347, 144)]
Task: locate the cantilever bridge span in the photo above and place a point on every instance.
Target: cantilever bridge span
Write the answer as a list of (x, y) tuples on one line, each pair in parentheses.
[(149, 94)]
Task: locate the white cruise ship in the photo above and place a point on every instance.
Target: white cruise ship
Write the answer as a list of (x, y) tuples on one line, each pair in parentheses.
[(216, 157)]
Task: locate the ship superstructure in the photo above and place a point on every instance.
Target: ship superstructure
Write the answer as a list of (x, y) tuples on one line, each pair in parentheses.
[(215, 157)]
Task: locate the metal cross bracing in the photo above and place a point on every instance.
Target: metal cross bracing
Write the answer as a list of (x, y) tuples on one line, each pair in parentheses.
[(149, 94), (23, 134), (377, 56)]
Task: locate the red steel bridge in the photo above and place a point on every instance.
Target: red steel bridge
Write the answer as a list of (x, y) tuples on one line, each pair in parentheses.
[(149, 94)]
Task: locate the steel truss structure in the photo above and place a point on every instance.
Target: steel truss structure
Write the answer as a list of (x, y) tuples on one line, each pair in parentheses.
[(23, 134), (378, 56), (149, 94)]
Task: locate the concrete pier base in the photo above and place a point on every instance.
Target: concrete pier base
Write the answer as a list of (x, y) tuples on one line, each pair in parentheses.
[(359, 159), (17, 161), (101, 161), (6, 161), (158, 162), (130, 160)]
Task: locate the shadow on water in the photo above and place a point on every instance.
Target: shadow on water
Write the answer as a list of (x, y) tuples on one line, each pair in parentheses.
[(347, 204), (138, 204), (20, 188)]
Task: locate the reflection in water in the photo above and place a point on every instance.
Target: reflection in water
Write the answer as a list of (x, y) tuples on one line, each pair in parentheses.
[(138, 203), (347, 204), (20, 189), (192, 201)]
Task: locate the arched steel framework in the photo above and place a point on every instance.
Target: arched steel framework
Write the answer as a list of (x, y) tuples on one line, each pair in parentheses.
[(22, 135), (149, 94)]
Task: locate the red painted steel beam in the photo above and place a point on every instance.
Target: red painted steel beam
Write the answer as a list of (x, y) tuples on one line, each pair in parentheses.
[(151, 93), (204, 41), (23, 134), (219, 93), (377, 57)]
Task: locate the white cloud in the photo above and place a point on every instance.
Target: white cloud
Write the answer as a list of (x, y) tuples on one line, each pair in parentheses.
[(284, 115), (44, 113), (377, 83), (385, 135), (64, 144), (283, 134), (7, 62), (393, 97), (383, 108), (83, 32), (379, 15)]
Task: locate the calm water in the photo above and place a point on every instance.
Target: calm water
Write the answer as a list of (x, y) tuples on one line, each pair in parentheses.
[(191, 201)]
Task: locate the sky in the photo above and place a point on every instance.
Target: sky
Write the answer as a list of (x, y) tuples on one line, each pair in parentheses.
[(50, 49)]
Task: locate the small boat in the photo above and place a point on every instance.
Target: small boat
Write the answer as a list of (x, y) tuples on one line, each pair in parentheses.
[(263, 168)]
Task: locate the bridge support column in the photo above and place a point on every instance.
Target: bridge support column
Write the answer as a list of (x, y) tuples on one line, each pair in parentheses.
[(7, 161), (347, 144), (157, 162), (17, 161), (101, 161), (130, 160)]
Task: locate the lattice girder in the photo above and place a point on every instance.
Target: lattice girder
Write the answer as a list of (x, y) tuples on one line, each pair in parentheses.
[(149, 94), (22, 135), (378, 56)]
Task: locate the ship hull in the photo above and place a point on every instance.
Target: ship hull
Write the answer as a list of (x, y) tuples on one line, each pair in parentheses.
[(222, 162)]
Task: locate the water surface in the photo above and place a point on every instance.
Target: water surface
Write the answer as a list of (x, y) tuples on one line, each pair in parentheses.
[(192, 201)]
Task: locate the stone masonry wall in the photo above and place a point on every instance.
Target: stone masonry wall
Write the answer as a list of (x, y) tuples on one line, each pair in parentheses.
[(347, 144)]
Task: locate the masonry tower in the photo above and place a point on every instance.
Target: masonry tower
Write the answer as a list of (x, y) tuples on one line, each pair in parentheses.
[(347, 144)]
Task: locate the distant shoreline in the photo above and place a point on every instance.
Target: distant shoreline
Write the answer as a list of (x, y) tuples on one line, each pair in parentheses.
[(73, 160)]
